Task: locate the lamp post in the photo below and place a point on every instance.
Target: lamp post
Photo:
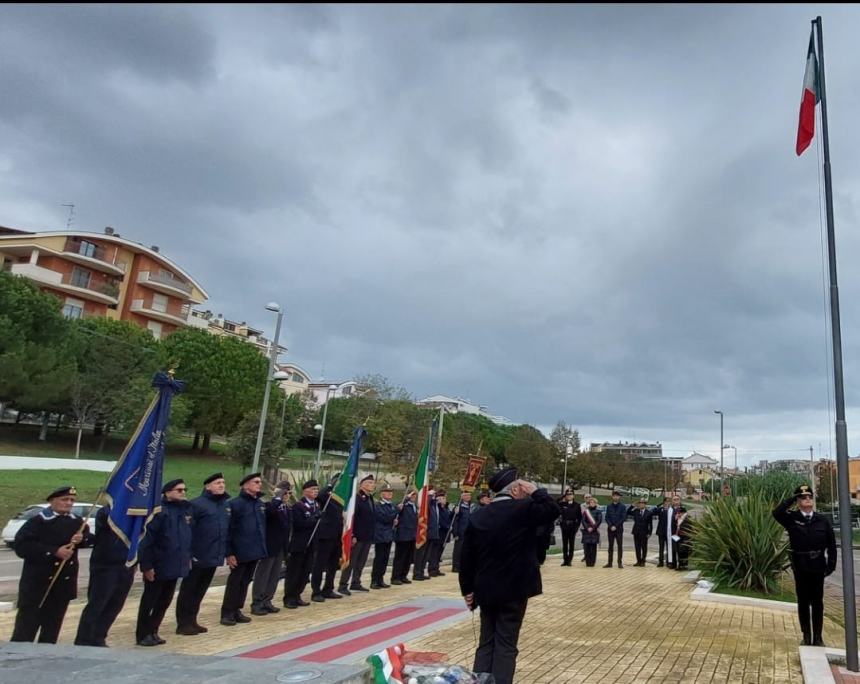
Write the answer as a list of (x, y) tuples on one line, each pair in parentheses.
[(329, 390), (729, 446), (270, 375), (721, 451)]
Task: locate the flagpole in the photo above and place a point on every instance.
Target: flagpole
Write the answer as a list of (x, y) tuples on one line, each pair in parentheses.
[(848, 599)]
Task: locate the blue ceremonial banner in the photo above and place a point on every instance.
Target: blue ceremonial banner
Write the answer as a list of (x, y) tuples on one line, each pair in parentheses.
[(134, 486)]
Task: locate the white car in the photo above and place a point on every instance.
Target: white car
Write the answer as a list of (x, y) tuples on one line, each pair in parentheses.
[(79, 509)]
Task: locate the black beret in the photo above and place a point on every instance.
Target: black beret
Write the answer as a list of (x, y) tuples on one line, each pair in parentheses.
[(502, 479), (212, 478), (366, 478), (62, 491), (386, 487), (803, 489), (484, 492), (170, 485), (285, 485), (309, 484), (250, 476), (568, 491)]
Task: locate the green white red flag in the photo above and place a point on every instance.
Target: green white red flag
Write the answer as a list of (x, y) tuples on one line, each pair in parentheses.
[(810, 97), (344, 493), (422, 484)]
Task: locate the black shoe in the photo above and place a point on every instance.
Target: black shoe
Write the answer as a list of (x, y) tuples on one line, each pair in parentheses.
[(319, 598), (241, 617), (406, 580), (187, 630), (259, 611), (228, 620), (159, 639), (200, 628), (437, 574), (818, 641), (344, 591), (102, 644), (149, 640), (565, 563), (376, 585), (418, 578), (660, 564), (359, 588), (301, 603), (272, 609), (805, 641), (333, 594), (396, 582), (288, 604), (608, 565), (621, 565)]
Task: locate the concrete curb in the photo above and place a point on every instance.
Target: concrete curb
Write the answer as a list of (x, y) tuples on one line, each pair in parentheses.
[(704, 592), (7, 606), (815, 663)]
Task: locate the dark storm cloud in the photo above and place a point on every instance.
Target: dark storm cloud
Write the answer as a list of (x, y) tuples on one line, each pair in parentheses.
[(589, 213)]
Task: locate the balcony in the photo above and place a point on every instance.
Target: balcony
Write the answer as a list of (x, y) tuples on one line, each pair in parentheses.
[(88, 254), (103, 293), (167, 285), (139, 307)]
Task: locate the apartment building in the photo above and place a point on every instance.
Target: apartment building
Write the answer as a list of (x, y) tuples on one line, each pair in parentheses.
[(104, 275), (629, 450), (216, 324), (458, 405)]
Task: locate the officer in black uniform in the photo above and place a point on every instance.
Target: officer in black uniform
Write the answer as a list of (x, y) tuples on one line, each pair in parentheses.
[(110, 582), (406, 527), (384, 514), (328, 542), (44, 542), (210, 524), (499, 568), (643, 519), (571, 519), (663, 524), (268, 571), (813, 557), (246, 544), (362, 535), (165, 557), (304, 516)]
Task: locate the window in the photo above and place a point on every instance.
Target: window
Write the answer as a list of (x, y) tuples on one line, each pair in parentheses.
[(73, 308), (165, 274), (159, 303), (231, 327), (298, 378), (80, 277), (87, 249), (155, 328)]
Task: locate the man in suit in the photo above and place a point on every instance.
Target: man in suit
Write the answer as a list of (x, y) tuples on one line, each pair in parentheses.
[(460, 522), (268, 571), (663, 530), (499, 568), (328, 543), (304, 515), (385, 515), (616, 514), (363, 524), (571, 519), (404, 538), (642, 528)]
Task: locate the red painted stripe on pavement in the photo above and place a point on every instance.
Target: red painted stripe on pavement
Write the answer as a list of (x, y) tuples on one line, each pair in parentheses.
[(295, 643), (326, 655)]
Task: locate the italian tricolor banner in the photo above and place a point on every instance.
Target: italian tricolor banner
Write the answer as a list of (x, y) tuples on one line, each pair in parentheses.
[(386, 666), (810, 97), (344, 493), (422, 485)]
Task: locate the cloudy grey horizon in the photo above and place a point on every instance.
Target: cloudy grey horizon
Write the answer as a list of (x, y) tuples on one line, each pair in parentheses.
[(583, 213)]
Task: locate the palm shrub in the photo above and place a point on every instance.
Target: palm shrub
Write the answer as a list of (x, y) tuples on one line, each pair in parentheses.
[(738, 543), (774, 486)]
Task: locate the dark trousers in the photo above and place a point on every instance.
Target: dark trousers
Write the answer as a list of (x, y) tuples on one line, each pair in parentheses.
[(381, 553), (500, 632), (266, 578), (676, 560), (590, 553), (326, 560), (568, 542), (458, 550), (298, 570), (46, 621), (810, 599), (357, 561), (437, 546), (615, 537), (422, 555), (191, 593), (661, 542), (106, 594), (403, 552), (237, 587), (640, 543), (154, 603)]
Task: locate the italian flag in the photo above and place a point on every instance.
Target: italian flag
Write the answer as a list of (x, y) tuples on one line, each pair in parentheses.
[(344, 493), (386, 666), (810, 98), (422, 485)]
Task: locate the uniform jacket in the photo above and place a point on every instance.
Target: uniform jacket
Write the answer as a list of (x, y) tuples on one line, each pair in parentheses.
[(210, 525), (444, 521), (108, 549), (331, 523), (813, 544), (407, 523), (461, 519), (277, 526), (571, 514), (246, 538), (616, 514), (363, 522), (36, 542), (166, 545), (384, 514), (591, 537), (303, 515), (432, 520), (642, 520), (663, 520), (499, 558)]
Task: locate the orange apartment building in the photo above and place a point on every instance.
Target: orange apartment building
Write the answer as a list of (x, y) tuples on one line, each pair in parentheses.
[(105, 275)]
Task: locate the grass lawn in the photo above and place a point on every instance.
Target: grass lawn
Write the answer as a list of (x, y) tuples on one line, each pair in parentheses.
[(786, 594)]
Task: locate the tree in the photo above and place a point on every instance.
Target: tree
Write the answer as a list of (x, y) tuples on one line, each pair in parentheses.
[(531, 454), (376, 386)]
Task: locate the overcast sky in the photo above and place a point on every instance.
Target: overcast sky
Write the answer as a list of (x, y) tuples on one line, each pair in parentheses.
[(592, 214)]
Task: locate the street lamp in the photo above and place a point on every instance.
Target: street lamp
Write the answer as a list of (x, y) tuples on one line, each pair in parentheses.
[(270, 375), (729, 446), (329, 390), (721, 451)]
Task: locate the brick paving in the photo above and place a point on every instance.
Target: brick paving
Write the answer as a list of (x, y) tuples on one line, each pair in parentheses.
[(590, 625)]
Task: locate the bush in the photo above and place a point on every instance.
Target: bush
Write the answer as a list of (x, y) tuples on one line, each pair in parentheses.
[(738, 543), (774, 486)]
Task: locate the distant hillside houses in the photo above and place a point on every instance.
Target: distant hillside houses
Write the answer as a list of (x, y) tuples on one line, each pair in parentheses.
[(458, 405), (629, 450)]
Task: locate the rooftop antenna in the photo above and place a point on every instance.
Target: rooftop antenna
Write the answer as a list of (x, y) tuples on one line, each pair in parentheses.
[(71, 215)]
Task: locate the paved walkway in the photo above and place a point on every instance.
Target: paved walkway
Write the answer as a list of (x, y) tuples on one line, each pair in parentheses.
[(591, 625)]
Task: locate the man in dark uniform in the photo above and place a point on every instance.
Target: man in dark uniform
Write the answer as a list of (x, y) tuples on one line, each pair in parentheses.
[(304, 516), (328, 541), (246, 544), (422, 553), (499, 568), (571, 518), (165, 556), (384, 515), (110, 582), (461, 520), (616, 514), (437, 548), (642, 528), (47, 542), (404, 538), (662, 515), (362, 537), (268, 572), (813, 557), (210, 525)]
